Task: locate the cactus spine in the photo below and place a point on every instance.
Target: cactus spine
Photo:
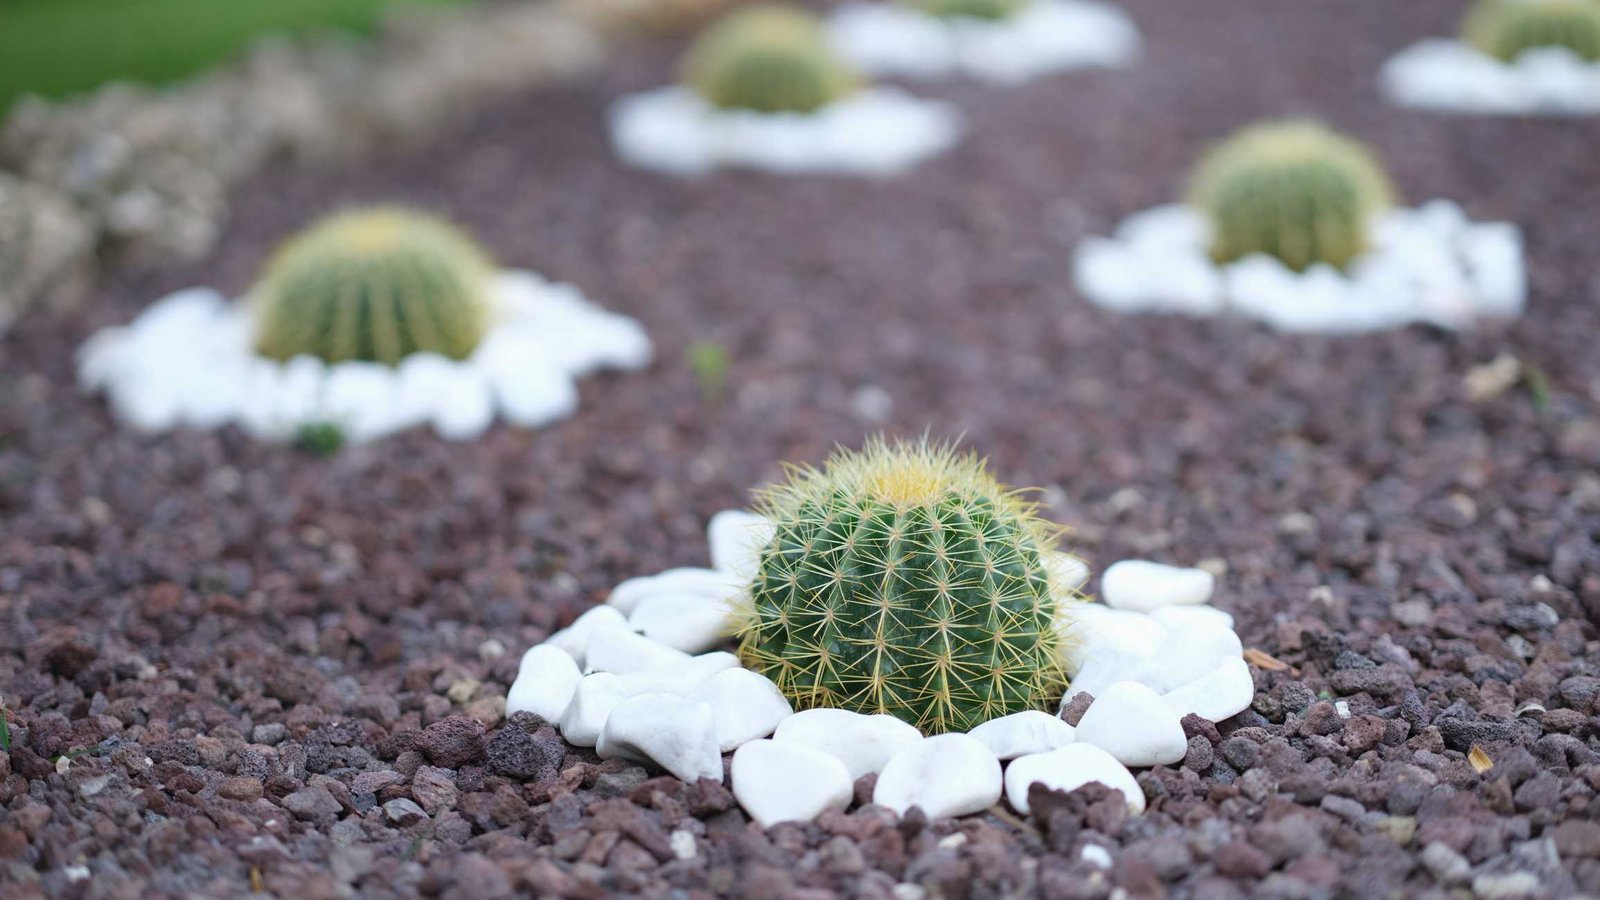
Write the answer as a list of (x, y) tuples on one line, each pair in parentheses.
[(903, 579), (768, 59), (376, 285), (1293, 190), (1506, 28)]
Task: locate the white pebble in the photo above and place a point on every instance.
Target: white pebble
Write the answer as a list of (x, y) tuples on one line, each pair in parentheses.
[(1094, 628), (1103, 670), (1023, 733), (737, 539), (1043, 37), (676, 733), (1419, 269), (682, 677), (1095, 855), (692, 623), (1135, 725), (1067, 572), (1192, 653), (1223, 694), (1179, 618), (786, 782), (574, 639), (546, 680), (592, 702), (863, 743), (1143, 586), (709, 583), (599, 692), (1068, 769), (944, 775), (621, 651), (875, 131), (748, 706)]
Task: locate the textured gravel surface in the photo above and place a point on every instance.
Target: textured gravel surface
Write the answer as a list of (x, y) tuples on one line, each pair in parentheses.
[(230, 666)]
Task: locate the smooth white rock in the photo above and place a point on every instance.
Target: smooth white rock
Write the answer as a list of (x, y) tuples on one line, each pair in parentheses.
[(786, 782), (527, 393), (863, 743), (1068, 769), (683, 677), (1104, 647), (1221, 694), (1143, 586), (737, 538), (189, 360), (1023, 733), (945, 775), (1044, 37), (592, 703), (678, 734), (1067, 572), (747, 704), (546, 680), (1134, 724), (466, 407), (1426, 265), (876, 131), (598, 692), (1449, 75), (620, 650), (710, 583), (693, 623), (1095, 855), (1192, 652), (1091, 629), (1102, 670), (574, 639), (1181, 618)]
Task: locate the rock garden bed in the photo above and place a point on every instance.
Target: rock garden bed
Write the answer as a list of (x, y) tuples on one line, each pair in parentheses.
[(234, 666)]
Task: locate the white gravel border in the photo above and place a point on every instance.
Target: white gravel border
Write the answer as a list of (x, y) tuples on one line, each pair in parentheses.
[(876, 131), (189, 361), (622, 679), (1428, 265), (1047, 36), (1451, 76)]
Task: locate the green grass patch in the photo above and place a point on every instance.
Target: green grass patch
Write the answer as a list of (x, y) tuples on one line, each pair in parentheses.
[(62, 47), (710, 363)]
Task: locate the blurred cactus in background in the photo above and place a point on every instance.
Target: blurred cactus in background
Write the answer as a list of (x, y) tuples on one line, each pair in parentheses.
[(377, 285), (1506, 28), (1294, 190), (768, 59), (971, 9)]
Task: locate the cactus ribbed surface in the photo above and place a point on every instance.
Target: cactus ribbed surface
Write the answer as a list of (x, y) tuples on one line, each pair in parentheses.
[(1293, 190), (376, 285), (903, 579), (1506, 28), (768, 59), (971, 9)]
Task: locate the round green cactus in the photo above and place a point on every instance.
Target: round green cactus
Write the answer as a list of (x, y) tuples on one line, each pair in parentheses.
[(768, 59), (1293, 190), (903, 579), (1506, 28), (376, 285), (992, 10)]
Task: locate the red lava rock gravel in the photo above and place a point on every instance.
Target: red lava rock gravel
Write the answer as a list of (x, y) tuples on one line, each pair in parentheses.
[(228, 665)]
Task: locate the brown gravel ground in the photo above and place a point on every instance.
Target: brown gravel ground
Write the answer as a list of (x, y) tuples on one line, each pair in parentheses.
[(272, 671)]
